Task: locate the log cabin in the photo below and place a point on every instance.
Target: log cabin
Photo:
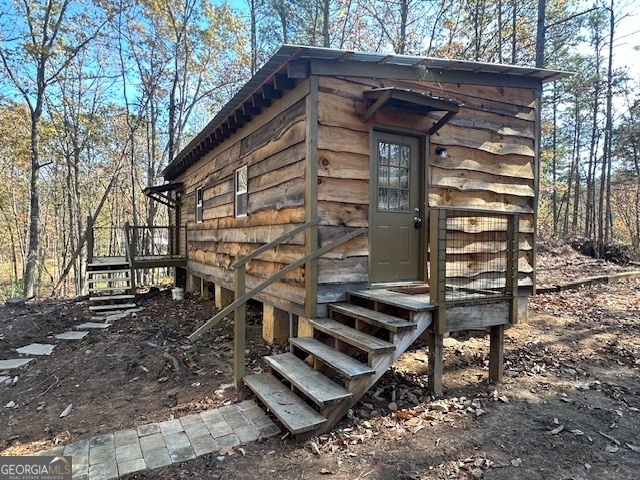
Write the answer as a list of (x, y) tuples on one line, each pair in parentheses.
[(366, 200)]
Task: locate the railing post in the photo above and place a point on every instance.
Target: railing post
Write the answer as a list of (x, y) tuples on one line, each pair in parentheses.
[(239, 329), (130, 252), (513, 245), (438, 266), (90, 239)]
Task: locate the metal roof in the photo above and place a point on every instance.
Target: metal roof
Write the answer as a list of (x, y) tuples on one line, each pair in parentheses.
[(205, 141)]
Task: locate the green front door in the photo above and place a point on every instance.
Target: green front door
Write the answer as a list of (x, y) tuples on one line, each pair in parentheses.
[(394, 234)]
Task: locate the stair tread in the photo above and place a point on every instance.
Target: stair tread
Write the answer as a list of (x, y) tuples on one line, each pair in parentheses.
[(113, 306), (321, 390), (345, 365), (389, 322), (412, 303), (352, 336), (105, 289), (296, 415), (101, 265), (111, 297), (108, 272)]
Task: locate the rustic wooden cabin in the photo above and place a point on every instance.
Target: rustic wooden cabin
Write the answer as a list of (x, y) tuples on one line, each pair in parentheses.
[(366, 200)]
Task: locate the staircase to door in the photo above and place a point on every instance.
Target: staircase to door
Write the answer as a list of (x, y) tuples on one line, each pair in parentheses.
[(310, 388), (110, 286)]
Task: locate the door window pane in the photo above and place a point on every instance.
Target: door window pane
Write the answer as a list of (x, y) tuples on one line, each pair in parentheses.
[(394, 174), (383, 202)]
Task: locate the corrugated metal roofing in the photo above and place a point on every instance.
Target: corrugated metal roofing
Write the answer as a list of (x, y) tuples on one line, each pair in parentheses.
[(287, 53)]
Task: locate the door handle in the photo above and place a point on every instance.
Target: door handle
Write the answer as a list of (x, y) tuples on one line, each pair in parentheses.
[(417, 221)]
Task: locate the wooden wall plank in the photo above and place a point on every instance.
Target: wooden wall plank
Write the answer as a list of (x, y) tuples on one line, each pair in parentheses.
[(343, 214), (340, 271), (343, 190), (343, 165), (463, 158), (467, 180), (446, 197), (274, 130), (343, 140)]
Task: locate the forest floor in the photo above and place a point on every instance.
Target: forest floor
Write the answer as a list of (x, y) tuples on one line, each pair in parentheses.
[(569, 406)]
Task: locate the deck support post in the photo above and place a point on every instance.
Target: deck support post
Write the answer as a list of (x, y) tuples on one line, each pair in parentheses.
[(223, 296), (496, 353), (304, 327), (239, 328), (275, 324), (204, 289), (90, 239), (435, 342)]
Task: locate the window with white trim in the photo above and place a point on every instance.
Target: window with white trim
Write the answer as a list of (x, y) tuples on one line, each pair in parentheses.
[(199, 204), (241, 183)]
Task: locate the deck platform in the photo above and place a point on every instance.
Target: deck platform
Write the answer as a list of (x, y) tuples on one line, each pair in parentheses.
[(145, 261)]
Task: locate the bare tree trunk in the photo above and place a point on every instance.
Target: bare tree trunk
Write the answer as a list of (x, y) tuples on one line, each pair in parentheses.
[(326, 41), (540, 33), (604, 209)]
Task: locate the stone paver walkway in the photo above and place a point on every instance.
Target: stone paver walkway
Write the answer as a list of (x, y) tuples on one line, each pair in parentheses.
[(154, 445), (157, 445)]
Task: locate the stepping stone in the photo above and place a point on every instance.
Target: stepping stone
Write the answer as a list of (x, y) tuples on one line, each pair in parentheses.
[(14, 363), (92, 325), (71, 335), (3, 379), (15, 302), (36, 349)]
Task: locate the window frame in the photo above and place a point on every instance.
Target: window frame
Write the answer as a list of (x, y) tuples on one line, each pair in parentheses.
[(199, 204), (237, 193)]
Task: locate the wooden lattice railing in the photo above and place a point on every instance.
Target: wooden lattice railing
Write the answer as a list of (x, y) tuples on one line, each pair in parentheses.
[(473, 259)]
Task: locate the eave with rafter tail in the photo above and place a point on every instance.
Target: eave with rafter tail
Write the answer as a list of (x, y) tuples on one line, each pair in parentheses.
[(293, 62)]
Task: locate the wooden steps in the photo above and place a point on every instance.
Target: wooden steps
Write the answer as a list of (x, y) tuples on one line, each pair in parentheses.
[(294, 414), (107, 278), (352, 336), (114, 306), (299, 391), (341, 363), (105, 289), (111, 298), (312, 383), (378, 319)]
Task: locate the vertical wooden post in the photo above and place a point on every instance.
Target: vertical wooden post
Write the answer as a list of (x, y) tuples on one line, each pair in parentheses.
[(239, 329), (496, 353), (311, 199), (131, 251), (90, 239), (204, 289), (435, 368), (438, 265), (513, 245)]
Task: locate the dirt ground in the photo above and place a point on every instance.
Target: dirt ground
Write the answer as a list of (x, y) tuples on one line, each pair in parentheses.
[(569, 407)]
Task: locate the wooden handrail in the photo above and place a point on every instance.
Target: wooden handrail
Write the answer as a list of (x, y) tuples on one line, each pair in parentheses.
[(241, 298), (242, 260)]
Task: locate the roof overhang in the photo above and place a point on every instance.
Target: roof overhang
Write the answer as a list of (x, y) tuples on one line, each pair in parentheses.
[(159, 193), (410, 101), (291, 63)]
